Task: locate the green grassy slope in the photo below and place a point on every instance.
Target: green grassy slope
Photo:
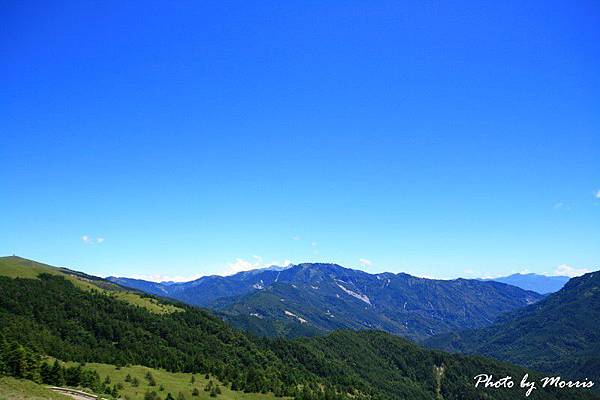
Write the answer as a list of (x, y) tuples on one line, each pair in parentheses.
[(171, 382), (22, 389), (18, 267)]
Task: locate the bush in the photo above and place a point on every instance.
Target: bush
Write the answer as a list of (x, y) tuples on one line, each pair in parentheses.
[(151, 396)]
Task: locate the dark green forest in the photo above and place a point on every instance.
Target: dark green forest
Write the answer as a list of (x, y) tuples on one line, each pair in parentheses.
[(51, 316)]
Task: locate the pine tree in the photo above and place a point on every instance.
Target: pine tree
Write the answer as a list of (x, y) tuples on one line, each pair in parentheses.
[(151, 396), (45, 373), (150, 378), (56, 374)]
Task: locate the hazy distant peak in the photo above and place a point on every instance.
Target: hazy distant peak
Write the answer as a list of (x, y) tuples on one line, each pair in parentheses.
[(531, 281)]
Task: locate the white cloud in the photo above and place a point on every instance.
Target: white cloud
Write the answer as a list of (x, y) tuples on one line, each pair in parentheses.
[(562, 206), (296, 238), (313, 244), (87, 239), (365, 262), (425, 276), (240, 265), (598, 194), (567, 270), (166, 278), (491, 276)]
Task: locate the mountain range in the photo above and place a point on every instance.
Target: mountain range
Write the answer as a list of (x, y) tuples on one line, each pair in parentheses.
[(538, 283), (308, 299), (70, 316), (559, 334)]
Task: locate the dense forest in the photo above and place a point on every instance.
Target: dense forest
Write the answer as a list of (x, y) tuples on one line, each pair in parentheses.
[(52, 316), (20, 362)]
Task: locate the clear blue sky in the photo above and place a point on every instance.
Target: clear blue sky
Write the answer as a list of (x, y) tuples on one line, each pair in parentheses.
[(172, 138)]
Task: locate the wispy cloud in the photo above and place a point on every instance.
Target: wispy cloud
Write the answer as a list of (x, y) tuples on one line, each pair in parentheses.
[(567, 270), (87, 239), (365, 262), (562, 206), (240, 265), (166, 278), (598, 194)]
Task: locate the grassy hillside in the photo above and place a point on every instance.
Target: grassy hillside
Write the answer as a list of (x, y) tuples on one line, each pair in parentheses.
[(23, 389), (18, 267), (167, 382), (51, 315)]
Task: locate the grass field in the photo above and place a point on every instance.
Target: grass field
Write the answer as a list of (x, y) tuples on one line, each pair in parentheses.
[(20, 389), (17, 267), (173, 383)]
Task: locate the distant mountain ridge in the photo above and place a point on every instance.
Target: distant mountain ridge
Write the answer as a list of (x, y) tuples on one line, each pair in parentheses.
[(542, 284), (312, 298), (560, 334)]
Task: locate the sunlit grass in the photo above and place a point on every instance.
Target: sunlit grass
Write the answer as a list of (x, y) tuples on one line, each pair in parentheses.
[(17, 267), (21, 389), (171, 382)]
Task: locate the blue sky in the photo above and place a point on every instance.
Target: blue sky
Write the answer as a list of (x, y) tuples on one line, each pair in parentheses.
[(174, 140)]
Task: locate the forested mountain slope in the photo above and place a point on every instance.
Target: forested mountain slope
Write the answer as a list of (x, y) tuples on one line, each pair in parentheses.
[(306, 299), (560, 334)]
